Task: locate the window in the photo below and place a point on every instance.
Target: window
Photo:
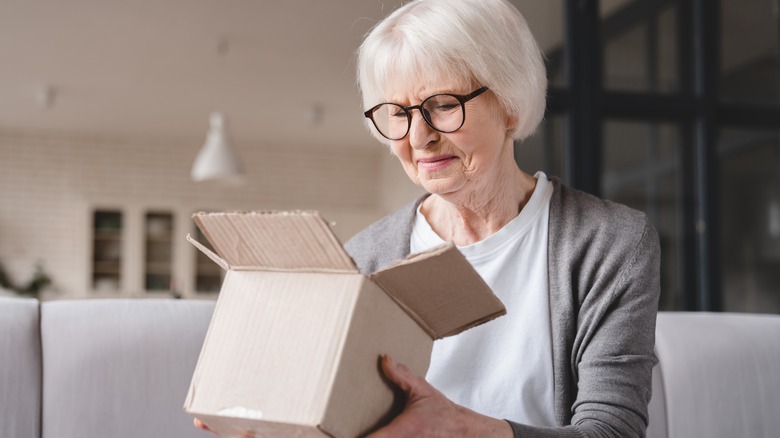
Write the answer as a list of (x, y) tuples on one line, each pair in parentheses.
[(671, 107), (749, 178)]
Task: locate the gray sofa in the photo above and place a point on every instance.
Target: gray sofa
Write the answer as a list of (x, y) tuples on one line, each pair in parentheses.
[(121, 369), (718, 375), (98, 368)]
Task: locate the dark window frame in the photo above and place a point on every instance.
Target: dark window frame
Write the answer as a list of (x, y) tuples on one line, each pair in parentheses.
[(695, 107)]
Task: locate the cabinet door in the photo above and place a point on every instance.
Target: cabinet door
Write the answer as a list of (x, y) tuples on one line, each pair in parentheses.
[(106, 250), (208, 275), (158, 256)]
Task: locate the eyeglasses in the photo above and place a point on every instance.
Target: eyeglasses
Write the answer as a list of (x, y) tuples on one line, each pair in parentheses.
[(442, 112)]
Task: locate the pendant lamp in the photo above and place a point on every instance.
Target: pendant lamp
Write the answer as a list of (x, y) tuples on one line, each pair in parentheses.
[(216, 160)]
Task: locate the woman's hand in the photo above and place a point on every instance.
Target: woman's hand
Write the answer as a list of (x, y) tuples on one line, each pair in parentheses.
[(199, 424), (429, 413)]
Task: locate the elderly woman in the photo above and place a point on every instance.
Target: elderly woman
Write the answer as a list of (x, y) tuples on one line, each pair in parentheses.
[(449, 85)]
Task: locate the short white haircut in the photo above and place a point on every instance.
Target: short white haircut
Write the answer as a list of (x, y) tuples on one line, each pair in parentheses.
[(480, 42)]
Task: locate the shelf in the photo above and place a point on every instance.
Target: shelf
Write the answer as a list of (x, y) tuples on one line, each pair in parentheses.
[(106, 256), (105, 236), (159, 240), (158, 268), (106, 267)]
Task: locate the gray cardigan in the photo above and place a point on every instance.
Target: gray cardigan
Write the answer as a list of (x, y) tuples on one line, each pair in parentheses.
[(604, 271)]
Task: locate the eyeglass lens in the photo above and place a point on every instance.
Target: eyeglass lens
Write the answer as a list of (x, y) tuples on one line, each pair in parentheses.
[(443, 112)]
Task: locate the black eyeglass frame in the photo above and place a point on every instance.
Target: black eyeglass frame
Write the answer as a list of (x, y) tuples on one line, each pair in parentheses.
[(407, 110)]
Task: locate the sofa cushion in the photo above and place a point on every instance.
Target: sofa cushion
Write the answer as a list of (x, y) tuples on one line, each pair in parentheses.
[(20, 368), (120, 368), (719, 373)]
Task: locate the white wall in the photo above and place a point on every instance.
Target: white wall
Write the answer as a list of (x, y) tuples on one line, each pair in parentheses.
[(49, 186), (395, 189)]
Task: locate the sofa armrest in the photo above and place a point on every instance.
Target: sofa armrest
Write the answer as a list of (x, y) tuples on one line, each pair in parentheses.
[(718, 374), (20, 368)]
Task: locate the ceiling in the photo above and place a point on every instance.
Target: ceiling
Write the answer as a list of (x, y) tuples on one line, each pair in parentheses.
[(281, 71)]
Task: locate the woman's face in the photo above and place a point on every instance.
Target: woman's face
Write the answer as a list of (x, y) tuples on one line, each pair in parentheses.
[(462, 161)]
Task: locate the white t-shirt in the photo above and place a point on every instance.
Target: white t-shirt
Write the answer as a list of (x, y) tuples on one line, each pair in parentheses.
[(503, 368)]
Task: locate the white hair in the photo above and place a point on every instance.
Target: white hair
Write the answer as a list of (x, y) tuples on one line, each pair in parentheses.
[(480, 42)]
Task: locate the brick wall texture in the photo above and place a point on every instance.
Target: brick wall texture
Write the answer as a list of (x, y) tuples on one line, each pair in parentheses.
[(50, 185)]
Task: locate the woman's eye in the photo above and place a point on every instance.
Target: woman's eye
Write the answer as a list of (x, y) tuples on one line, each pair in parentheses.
[(446, 107), (443, 108)]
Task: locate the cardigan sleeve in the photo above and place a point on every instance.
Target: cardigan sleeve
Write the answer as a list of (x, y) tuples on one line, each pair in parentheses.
[(612, 353)]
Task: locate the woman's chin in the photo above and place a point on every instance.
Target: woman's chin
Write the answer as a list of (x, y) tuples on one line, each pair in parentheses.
[(442, 186)]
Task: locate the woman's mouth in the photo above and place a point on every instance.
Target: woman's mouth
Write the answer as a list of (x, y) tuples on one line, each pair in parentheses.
[(435, 163)]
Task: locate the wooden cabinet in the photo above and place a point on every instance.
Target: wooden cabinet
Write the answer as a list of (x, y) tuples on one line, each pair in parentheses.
[(140, 251)]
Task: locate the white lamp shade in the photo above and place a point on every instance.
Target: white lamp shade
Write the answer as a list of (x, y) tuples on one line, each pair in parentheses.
[(216, 160)]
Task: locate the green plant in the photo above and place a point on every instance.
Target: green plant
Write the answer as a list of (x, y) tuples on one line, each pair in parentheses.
[(39, 281), (4, 281)]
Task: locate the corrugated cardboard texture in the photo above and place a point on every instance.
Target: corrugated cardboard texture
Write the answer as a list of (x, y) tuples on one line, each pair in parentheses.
[(294, 345), (274, 349), (441, 291), (274, 240), (378, 327)]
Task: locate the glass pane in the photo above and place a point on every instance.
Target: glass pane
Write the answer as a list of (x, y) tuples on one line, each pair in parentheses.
[(642, 171), (668, 79), (750, 51), (608, 7), (544, 150), (106, 250), (640, 46), (750, 220), (159, 251), (546, 22), (625, 60), (208, 275)]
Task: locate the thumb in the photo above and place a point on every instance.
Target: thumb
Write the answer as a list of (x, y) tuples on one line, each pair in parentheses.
[(201, 425), (410, 383)]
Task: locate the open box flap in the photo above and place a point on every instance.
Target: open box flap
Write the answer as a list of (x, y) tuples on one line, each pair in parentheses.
[(209, 253), (295, 241), (441, 291)]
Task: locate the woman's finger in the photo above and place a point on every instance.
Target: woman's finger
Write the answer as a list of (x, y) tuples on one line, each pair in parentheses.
[(200, 425), (410, 383)]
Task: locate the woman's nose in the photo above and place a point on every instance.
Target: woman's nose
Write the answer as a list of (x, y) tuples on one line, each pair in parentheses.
[(420, 133)]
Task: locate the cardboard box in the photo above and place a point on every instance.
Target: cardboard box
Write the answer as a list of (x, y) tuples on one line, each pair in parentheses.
[(294, 344)]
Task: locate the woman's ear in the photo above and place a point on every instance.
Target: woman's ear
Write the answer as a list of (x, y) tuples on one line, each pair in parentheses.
[(512, 123)]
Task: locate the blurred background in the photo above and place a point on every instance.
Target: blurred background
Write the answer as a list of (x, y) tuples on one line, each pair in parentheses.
[(671, 107)]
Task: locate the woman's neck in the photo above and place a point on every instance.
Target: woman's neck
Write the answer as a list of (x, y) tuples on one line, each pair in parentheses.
[(468, 218)]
